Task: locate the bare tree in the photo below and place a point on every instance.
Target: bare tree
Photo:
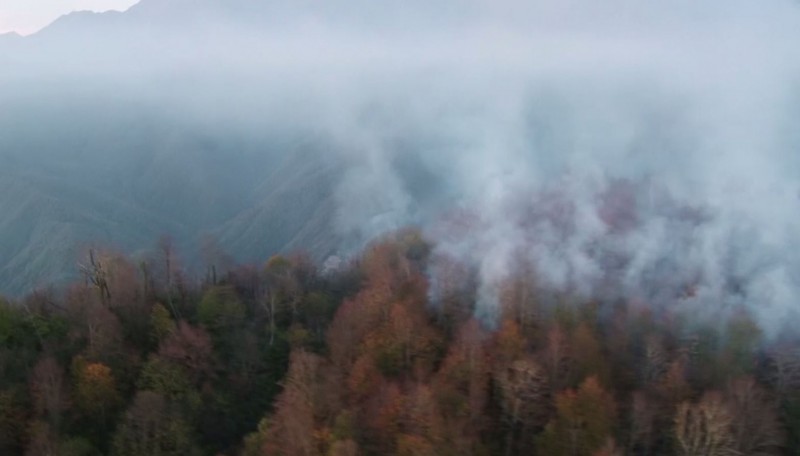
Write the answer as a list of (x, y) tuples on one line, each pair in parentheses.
[(704, 429), (756, 428), (166, 250), (96, 274), (785, 360)]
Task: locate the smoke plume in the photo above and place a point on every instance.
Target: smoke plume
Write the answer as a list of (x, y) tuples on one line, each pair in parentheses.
[(625, 149)]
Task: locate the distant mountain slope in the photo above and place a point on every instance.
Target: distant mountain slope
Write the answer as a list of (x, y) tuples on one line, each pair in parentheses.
[(295, 210), (109, 138), (45, 224), (49, 218)]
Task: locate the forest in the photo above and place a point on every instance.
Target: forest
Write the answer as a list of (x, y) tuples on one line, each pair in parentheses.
[(290, 358)]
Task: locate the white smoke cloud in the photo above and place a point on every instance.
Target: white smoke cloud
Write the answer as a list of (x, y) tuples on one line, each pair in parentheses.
[(535, 116)]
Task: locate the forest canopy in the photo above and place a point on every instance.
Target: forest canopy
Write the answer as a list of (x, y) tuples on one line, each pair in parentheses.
[(286, 357)]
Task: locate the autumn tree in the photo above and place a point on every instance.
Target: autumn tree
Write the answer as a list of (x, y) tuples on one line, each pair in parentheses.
[(152, 426), (403, 342), (556, 358), (584, 421), (422, 425), (189, 347), (508, 345), (387, 318), (452, 290), (104, 334), (587, 355), (523, 392), (291, 429), (461, 388), (48, 391), (96, 397), (519, 296)]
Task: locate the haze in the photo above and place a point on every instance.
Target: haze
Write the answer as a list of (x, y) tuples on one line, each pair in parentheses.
[(272, 126)]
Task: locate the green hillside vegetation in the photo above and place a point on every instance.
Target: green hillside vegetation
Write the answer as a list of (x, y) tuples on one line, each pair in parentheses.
[(283, 358)]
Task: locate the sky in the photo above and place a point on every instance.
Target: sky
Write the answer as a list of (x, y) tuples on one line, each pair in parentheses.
[(29, 16)]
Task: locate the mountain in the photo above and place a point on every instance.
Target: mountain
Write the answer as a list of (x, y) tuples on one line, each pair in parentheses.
[(96, 153), (116, 183)]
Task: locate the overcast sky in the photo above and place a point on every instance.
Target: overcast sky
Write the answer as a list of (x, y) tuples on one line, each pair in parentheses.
[(29, 16)]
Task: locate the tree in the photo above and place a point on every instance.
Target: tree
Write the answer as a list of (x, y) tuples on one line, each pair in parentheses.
[(583, 423), (403, 342), (452, 290), (170, 380), (96, 273), (221, 314), (220, 311), (47, 390), (43, 440), (291, 430), (161, 323), (704, 428), (414, 445), (785, 368), (282, 285), (587, 355), (152, 426), (609, 449), (360, 318), (461, 389), (96, 392), (741, 341), (344, 448), (189, 347), (318, 311), (655, 363), (363, 379), (641, 433), (104, 334), (755, 427), (523, 398), (13, 422), (509, 343), (423, 426), (518, 295), (556, 358), (76, 446), (12, 324)]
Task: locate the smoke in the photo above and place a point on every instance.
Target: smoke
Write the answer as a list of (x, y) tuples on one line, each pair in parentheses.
[(644, 154), (626, 149)]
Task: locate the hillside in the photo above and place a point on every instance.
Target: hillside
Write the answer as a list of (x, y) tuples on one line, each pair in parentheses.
[(360, 360)]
